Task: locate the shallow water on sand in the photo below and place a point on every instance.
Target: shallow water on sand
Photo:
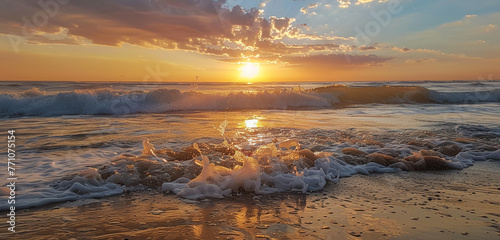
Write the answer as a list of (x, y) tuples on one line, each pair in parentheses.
[(52, 148), (56, 147), (416, 205)]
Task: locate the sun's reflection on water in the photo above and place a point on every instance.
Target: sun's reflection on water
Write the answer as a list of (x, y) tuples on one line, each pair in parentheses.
[(251, 123)]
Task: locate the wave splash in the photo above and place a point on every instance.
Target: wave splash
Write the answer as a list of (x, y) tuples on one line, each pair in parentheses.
[(279, 166), (274, 167), (106, 101), (217, 170)]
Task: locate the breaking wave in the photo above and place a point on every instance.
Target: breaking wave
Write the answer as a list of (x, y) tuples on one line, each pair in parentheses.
[(106, 101)]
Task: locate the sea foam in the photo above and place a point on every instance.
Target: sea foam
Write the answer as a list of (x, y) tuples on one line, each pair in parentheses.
[(217, 181), (280, 166)]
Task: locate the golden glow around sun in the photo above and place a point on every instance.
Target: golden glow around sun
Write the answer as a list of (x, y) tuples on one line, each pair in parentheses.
[(249, 70)]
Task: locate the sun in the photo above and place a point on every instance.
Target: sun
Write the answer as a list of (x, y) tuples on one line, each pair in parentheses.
[(249, 70)]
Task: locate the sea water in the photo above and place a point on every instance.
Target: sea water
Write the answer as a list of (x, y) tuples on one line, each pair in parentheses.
[(78, 140)]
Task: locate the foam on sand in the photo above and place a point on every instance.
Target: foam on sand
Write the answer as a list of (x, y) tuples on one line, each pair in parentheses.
[(86, 184), (282, 174), (219, 181), (211, 170)]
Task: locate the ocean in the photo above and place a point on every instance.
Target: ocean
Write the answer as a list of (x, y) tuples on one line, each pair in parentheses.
[(84, 140)]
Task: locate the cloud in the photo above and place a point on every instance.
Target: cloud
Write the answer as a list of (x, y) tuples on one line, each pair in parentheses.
[(338, 60), (203, 26), (489, 27), (114, 22), (421, 60), (472, 36), (367, 48), (347, 3), (172, 24), (313, 5), (305, 10), (429, 51), (363, 2), (344, 3), (405, 49)]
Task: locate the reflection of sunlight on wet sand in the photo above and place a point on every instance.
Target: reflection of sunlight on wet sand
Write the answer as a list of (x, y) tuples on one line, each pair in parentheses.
[(248, 215), (276, 218), (391, 227), (198, 231)]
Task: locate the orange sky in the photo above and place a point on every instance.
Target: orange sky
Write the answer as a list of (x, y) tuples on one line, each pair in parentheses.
[(172, 40)]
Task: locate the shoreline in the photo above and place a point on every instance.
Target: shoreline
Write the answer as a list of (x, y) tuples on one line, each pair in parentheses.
[(413, 205)]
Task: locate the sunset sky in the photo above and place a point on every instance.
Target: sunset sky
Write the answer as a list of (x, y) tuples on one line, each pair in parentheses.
[(235, 40)]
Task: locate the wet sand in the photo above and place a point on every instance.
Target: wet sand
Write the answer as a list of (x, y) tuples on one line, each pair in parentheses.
[(416, 205)]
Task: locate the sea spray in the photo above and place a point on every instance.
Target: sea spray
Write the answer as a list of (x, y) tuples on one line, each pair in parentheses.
[(219, 181), (284, 166)]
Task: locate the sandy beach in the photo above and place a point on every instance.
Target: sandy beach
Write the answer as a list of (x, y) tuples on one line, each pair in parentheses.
[(225, 119), (363, 172), (414, 205)]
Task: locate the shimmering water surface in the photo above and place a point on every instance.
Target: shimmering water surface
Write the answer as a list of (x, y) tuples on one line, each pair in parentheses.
[(64, 128)]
